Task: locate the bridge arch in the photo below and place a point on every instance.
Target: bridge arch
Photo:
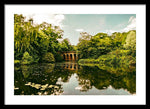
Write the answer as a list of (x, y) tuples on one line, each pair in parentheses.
[(70, 55)]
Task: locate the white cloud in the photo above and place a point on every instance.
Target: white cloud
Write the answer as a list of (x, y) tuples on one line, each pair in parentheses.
[(131, 24), (59, 17), (58, 20), (131, 19), (53, 19), (79, 30), (109, 32)]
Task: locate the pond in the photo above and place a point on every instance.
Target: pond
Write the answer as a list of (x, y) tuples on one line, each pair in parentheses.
[(70, 78)]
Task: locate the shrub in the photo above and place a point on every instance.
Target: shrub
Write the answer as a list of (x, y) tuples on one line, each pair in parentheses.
[(58, 58), (26, 59), (48, 57), (16, 61), (132, 61), (82, 61)]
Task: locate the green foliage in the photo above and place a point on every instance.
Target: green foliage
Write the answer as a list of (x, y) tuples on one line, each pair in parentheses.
[(101, 35), (65, 45), (83, 61), (130, 42), (119, 49), (16, 61), (92, 52), (48, 57), (24, 35), (94, 46), (37, 40), (58, 57), (118, 57), (27, 59)]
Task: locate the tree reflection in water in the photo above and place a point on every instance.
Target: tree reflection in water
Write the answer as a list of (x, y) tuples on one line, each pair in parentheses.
[(102, 77), (39, 79), (48, 79)]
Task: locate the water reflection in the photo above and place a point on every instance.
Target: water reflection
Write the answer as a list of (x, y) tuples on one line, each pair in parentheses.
[(102, 79), (70, 65), (71, 79)]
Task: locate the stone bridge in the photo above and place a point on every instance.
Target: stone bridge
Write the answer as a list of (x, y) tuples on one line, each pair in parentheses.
[(70, 55)]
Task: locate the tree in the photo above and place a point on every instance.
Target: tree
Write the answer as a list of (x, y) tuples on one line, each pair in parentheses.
[(84, 44), (94, 46), (37, 40), (48, 57), (24, 36), (66, 45), (130, 42), (27, 59)]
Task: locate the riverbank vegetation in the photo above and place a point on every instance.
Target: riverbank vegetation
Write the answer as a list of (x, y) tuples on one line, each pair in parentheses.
[(118, 49), (35, 42)]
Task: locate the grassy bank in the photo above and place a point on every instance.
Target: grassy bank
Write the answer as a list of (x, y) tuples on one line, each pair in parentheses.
[(117, 57), (118, 61)]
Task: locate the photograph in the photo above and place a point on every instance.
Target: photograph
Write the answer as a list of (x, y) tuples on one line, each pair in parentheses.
[(75, 54)]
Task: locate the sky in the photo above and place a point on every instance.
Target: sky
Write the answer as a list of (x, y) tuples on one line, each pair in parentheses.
[(74, 24)]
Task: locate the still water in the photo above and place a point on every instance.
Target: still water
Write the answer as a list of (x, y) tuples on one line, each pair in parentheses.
[(70, 78)]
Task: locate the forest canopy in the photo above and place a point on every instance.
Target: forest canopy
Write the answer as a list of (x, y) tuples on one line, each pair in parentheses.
[(37, 40), (116, 49), (33, 43)]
